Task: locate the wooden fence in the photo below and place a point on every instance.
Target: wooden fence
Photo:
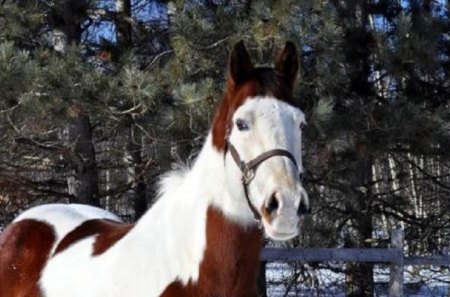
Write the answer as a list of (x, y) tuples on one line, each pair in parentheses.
[(393, 255)]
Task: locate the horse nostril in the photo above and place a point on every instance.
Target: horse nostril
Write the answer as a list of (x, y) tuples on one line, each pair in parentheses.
[(303, 209), (272, 204)]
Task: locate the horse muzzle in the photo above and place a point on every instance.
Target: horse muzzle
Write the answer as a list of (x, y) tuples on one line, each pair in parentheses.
[(284, 212)]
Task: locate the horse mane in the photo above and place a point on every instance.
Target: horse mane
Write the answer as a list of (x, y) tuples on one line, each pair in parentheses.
[(172, 180)]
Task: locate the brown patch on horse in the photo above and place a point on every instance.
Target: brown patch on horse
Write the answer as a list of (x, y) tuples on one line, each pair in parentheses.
[(230, 263), (245, 81), (25, 247), (108, 232), (224, 113)]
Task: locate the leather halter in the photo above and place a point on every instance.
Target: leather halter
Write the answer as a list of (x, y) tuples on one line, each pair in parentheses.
[(248, 170)]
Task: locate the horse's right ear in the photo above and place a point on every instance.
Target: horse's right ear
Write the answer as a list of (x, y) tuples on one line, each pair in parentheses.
[(239, 65)]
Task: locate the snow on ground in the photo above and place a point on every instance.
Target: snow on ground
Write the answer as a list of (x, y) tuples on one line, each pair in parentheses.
[(326, 283)]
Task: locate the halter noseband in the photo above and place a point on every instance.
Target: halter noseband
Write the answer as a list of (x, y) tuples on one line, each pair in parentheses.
[(248, 170)]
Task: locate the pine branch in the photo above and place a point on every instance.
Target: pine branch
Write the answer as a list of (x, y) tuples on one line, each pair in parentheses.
[(10, 109), (434, 178), (157, 57)]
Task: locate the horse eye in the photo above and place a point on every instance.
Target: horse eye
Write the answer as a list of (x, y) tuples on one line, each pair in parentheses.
[(302, 126), (241, 125)]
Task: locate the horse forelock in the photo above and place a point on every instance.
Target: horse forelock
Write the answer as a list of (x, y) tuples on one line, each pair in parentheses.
[(262, 81)]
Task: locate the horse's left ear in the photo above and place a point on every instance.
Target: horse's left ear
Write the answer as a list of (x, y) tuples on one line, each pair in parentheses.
[(286, 63)]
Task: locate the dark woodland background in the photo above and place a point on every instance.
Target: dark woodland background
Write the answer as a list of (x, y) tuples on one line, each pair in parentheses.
[(99, 97)]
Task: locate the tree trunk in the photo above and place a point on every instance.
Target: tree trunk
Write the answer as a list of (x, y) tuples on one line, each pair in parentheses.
[(359, 276), (65, 20), (133, 149), (135, 169), (85, 185), (355, 20)]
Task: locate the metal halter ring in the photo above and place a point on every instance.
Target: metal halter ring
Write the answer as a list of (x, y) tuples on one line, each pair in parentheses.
[(248, 173)]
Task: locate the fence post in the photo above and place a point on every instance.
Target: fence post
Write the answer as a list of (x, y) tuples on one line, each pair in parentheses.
[(262, 280), (396, 268)]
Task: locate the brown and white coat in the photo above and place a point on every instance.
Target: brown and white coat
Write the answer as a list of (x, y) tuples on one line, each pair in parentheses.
[(200, 238)]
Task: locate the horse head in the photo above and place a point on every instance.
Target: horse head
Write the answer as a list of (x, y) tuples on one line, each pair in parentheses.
[(258, 128)]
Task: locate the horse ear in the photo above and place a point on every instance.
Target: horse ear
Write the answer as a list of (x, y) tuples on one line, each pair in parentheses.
[(286, 63), (239, 65)]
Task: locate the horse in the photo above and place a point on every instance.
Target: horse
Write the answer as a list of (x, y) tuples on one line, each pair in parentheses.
[(204, 234)]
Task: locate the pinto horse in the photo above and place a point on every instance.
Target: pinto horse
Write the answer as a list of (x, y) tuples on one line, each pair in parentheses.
[(204, 234)]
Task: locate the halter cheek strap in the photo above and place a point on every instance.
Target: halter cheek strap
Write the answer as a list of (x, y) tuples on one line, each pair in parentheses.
[(248, 170)]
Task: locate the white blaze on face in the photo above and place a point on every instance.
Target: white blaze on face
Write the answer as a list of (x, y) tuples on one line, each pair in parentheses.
[(262, 124)]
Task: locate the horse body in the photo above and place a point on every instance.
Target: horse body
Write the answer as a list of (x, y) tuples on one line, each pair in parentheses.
[(27, 244), (167, 244), (200, 237)]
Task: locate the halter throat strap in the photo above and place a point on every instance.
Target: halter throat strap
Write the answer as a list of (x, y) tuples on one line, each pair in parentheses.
[(248, 170)]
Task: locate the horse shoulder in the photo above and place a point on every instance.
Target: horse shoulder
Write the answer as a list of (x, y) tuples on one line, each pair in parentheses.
[(230, 261)]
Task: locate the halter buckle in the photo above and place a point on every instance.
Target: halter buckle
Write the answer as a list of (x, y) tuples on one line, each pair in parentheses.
[(248, 173)]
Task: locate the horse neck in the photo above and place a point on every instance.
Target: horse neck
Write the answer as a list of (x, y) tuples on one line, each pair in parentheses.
[(206, 183), (201, 187), (197, 221)]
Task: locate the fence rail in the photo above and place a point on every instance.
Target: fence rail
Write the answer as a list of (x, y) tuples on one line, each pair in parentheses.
[(394, 256), (375, 255), (330, 254)]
